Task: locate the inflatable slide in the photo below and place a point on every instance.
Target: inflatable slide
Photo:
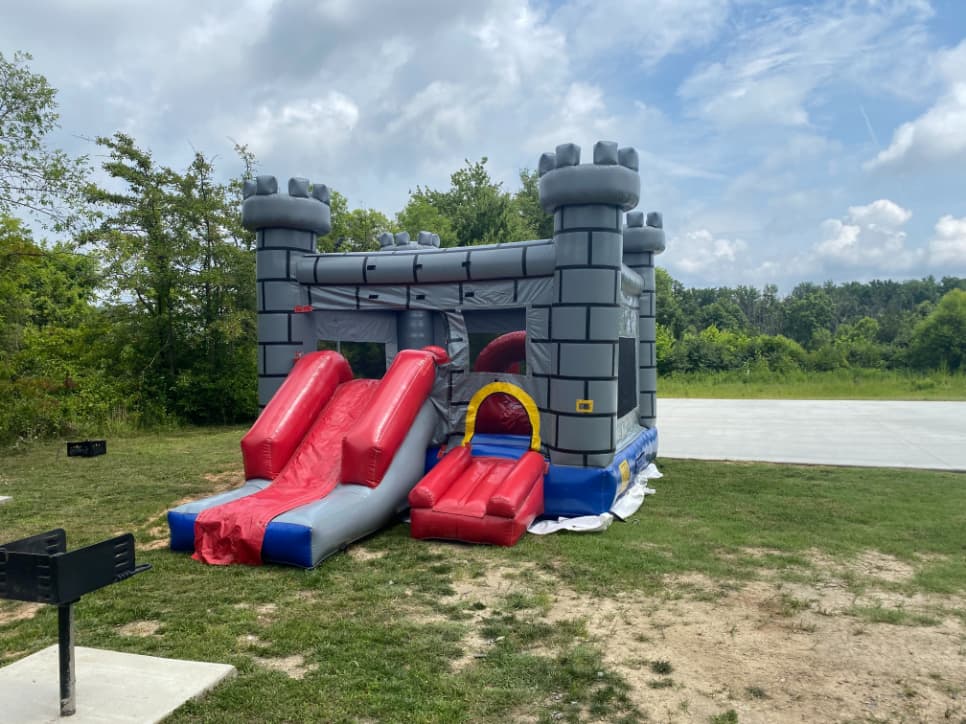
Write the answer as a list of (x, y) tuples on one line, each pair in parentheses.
[(330, 460), (480, 493)]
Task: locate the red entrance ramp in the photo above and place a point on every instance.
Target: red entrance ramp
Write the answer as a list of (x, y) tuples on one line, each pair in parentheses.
[(478, 499), (481, 499)]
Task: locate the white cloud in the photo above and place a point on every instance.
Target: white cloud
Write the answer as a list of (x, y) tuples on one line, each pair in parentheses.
[(777, 65), (949, 246), (700, 251), (869, 238), (938, 136), (309, 123), (647, 31)]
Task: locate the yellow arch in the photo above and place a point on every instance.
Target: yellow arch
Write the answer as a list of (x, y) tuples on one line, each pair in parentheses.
[(516, 393)]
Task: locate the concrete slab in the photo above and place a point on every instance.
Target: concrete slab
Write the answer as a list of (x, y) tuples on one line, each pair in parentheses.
[(835, 432), (111, 687)]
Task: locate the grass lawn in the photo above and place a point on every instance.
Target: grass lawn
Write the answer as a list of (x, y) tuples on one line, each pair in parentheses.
[(856, 384), (604, 627)]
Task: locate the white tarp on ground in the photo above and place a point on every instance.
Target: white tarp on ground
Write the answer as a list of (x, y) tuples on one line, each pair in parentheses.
[(623, 509)]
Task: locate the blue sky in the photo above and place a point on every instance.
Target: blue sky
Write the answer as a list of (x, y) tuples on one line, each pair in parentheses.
[(782, 141)]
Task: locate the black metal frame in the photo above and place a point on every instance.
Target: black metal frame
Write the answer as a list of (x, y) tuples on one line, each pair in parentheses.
[(40, 569)]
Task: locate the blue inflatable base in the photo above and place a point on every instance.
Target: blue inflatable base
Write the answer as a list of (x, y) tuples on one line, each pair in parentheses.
[(284, 542)]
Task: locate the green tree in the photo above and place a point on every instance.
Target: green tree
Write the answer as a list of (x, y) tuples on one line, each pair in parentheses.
[(859, 341), (34, 178), (363, 227), (808, 310), (724, 313), (668, 301), (50, 379), (146, 254), (221, 299), (420, 214), (181, 278), (527, 204), (339, 209), (476, 207), (664, 348), (939, 341)]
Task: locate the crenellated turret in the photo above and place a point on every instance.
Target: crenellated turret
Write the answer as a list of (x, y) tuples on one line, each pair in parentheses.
[(286, 226), (585, 325), (642, 240)]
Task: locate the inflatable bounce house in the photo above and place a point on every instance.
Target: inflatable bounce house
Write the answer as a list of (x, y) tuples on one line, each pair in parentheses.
[(519, 378)]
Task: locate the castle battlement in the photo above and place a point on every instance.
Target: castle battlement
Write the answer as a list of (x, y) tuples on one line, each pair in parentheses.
[(612, 179), (304, 208)]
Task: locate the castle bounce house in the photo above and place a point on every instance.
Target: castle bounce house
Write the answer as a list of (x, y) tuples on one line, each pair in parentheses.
[(552, 416)]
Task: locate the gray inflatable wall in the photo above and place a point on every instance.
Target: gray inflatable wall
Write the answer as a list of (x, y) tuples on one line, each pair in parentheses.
[(641, 242)]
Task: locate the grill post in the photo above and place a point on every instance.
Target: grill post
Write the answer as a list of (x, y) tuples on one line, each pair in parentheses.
[(65, 640)]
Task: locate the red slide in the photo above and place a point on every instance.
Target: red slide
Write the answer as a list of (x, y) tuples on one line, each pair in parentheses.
[(478, 499), (320, 429)]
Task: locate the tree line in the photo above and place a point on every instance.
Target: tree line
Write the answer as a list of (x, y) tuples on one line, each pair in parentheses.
[(915, 325), (142, 312)]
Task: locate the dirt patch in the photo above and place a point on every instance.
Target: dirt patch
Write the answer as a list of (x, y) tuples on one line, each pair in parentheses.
[(361, 553), (868, 564), (158, 536), (140, 629), (750, 552), (250, 641), (220, 482), (495, 583), (9, 613), (265, 612), (774, 654), (306, 596), (478, 597), (292, 666), (771, 650)]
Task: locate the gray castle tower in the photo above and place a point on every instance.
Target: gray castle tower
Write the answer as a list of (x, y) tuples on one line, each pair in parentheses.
[(587, 201), (641, 242), (286, 227)]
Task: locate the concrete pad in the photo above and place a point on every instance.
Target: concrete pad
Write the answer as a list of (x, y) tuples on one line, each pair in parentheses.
[(5, 499), (111, 687), (874, 433)]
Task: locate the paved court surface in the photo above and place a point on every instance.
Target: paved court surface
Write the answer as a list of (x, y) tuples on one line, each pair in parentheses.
[(112, 688), (835, 432)]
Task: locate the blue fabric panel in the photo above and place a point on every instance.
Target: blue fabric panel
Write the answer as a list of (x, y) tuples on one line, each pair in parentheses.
[(288, 543), (501, 446), (511, 447), (571, 491), (182, 526)]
